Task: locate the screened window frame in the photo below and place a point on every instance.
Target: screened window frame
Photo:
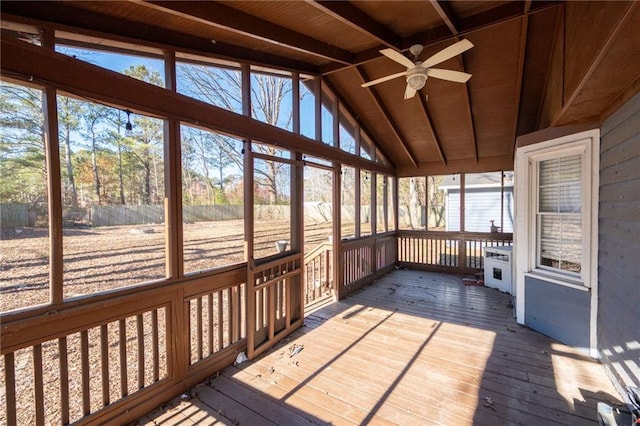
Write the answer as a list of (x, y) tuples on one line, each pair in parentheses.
[(583, 149)]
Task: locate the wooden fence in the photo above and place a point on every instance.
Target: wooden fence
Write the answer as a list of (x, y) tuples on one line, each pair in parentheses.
[(447, 251), (13, 215)]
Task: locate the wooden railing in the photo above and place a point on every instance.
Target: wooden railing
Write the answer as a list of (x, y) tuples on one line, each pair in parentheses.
[(113, 357), (365, 259), (318, 273), (275, 302), (448, 251)]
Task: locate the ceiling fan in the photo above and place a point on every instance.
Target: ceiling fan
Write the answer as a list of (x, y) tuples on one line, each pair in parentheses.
[(417, 71)]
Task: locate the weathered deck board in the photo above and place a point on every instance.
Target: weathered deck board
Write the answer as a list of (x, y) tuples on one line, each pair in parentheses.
[(414, 348)]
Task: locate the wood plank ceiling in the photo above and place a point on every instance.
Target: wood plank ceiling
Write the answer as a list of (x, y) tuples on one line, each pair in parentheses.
[(524, 61)]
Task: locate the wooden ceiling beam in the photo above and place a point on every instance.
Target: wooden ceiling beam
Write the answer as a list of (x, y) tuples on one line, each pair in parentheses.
[(469, 114), (387, 115), (229, 19), (446, 14), (350, 15), (572, 104), (58, 16), (348, 109), (521, 59), (465, 26), (484, 164), (431, 128), (37, 65)]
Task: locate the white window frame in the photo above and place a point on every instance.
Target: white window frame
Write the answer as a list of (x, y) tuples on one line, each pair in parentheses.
[(525, 235), (578, 148)]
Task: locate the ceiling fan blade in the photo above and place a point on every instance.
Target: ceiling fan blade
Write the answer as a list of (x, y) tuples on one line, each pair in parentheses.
[(457, 76), (409, 92), (448, 53), (398, 57), (383, 79)]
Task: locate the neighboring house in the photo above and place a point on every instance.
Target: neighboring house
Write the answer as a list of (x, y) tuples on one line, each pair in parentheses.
[(483, 201)]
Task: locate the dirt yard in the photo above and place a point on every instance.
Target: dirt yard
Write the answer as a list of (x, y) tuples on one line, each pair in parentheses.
[(98, 259)]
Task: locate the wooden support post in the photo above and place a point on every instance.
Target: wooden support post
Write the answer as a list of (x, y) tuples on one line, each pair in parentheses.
[(52, 153), (338, 267), (385, 202), (174, 265), (317, 91), (248, 218), (373, 204), (357, 208), (462, 249)]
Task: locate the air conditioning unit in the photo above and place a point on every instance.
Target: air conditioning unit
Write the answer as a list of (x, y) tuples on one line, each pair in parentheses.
[(498, 268)]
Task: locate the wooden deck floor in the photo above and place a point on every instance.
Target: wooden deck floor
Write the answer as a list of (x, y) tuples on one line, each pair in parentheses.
[(414, 348)]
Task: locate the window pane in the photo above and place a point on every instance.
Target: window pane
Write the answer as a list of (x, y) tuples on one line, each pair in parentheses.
[(147, 69), (565, 198), (347, 135), (443, 203), (561, 241), (366, 147), (365, 203), (559, 207), (272, 208), (212, 200), (271, 97), (24, 218), (318, 207), (113, 205), (381, 183), (307, 107), (348, 201), (412, 193), (391, 217), (483, 201), (327, 120), (216, 84)]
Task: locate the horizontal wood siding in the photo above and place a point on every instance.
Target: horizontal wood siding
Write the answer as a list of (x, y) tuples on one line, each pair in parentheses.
[(482, 205), (558, 311), (619, 245)]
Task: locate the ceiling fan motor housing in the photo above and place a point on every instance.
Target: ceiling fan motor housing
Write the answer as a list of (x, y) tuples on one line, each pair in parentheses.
[(416, 77)]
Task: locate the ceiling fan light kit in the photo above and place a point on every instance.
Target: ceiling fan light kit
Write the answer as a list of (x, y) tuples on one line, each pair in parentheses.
[(417, 72)]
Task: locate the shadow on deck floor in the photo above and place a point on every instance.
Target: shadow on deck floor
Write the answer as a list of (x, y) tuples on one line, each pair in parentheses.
[(413, 348)]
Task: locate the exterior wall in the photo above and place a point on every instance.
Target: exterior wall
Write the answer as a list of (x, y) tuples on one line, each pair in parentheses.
[(558, 311), (481, 206), (619, 245)]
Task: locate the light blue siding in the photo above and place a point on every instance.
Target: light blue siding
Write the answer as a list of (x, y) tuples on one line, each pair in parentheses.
[(557, 311), (482, 205)]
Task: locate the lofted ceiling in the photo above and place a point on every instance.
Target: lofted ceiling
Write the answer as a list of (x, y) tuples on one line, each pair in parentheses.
[(534, 64)]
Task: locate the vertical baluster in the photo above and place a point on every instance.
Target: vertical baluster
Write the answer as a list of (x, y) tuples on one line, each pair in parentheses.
[(156, 345), (38, 383), (220, 321), (210, 322), (199, 328), (140, 332), (230, 315), (122, 337), (63, 365), (10, 388), (235, 293), (84, 353), (104, 362)]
